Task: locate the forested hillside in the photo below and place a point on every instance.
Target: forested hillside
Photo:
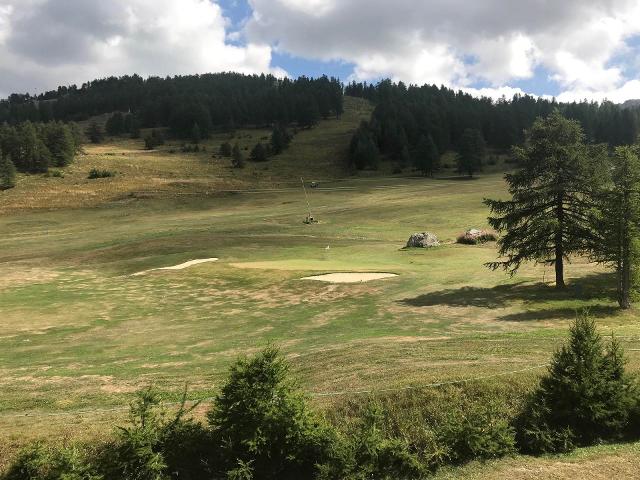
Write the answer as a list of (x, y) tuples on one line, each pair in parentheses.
[(211, 100), (405, 114)]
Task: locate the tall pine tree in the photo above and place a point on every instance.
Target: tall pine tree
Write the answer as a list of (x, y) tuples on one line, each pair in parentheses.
[(426, 157), (618, 222), (472, 152), (547, 217)]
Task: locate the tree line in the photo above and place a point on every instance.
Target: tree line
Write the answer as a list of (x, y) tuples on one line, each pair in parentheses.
[(409, 123), (220, 100), (570, 197), (33, 148), (261, 426)]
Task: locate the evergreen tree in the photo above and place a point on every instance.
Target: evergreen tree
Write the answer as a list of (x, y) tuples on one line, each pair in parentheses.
[(546, 219), (237, 159), (29, 153), (617, 222), (262, 423), (7, 173), (59, 140), (471, 152), (585, 397), (279, 139), (115, 124), (258, 153), (94, 133), (426, 157), (225, 149), (196, 135), (363, 151)]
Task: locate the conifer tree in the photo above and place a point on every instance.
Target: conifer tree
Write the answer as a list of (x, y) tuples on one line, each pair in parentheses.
[(7, 173), (94, 133), (585, 397), (196, 135), (225, 149), (546, 219), (258, 153), (618, 222), (237, 159), (472, 152), (59, 140), (426, 157)]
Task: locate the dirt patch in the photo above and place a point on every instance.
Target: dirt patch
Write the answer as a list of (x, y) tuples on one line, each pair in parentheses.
[(180, 266), (350, 277)]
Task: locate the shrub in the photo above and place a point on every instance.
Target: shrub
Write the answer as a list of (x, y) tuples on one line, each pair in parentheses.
[(258, 153), (97, 173), (225, 149), (39, 462), (262, 424), (586, 396), (472, 237), (480, 430), (153, 140), (152, 447)]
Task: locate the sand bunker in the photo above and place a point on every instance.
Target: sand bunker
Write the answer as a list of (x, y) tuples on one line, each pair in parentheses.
[(181, 266), (350, 277)]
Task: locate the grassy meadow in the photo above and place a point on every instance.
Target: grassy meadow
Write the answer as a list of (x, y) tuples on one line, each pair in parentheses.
[(80, 333)]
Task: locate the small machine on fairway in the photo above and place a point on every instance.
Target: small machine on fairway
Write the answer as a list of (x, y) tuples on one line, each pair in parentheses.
[(309, 218)]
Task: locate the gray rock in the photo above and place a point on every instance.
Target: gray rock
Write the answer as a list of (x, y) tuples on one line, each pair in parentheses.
[(423, 240)]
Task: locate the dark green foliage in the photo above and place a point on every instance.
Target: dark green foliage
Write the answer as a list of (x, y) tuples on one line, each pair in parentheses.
[(116, 124), (28, 151), (363, 151), (478, 431), (60, 141), (471, 152), (426, 158), (307, 111), (225, 149), (547, 217), (262, 424), (617, 222), (375, 455), (196, 134), (153, 139), (7, 173), (40, 462), (280, 139), (447, 113), (97, 173), (258, 153), (586, 396), (94, 133), (237, 159)]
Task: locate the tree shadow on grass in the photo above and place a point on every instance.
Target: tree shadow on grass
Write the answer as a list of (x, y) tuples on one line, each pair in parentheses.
[(566, 313), (592, 292)]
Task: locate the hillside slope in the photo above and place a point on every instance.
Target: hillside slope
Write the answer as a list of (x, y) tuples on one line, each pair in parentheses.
[(316, 153)]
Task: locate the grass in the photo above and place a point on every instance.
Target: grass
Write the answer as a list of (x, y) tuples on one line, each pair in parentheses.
[(79, 334)]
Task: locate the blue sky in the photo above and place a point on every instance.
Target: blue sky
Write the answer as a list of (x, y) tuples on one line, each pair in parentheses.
[(572, 49)]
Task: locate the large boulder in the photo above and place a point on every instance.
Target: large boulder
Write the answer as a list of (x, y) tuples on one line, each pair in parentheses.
[(423, 240)]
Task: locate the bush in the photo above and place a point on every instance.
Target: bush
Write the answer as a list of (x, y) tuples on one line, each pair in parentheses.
[(39, 462), (258, 153), (97, 173), (263, 426), (225, 149), (586, 397), (153, 140), (472, 237)]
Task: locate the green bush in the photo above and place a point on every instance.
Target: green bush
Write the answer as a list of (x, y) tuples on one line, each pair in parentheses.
[(586, 397), (40, 462), (262, 424), (97, 173)]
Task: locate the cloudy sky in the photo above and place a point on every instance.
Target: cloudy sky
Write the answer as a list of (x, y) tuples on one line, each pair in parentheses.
[(571, 49)]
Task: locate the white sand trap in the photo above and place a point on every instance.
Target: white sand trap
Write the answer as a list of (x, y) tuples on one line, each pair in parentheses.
[(350, 277), (181, 266)]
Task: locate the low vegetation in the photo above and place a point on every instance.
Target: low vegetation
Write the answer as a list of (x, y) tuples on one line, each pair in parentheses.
[(261, 426)]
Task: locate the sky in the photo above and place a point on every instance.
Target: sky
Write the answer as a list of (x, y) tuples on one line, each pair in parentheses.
[(569, 49)]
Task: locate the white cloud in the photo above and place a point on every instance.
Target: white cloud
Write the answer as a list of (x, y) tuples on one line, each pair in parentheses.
[(45, 43), (431, 41)]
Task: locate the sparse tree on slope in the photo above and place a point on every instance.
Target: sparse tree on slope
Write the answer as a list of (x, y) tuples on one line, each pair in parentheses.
[(7, 173), (94, 133), (237, 159), (426, 157), (472, 152), (618, 222), (546, 219)]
